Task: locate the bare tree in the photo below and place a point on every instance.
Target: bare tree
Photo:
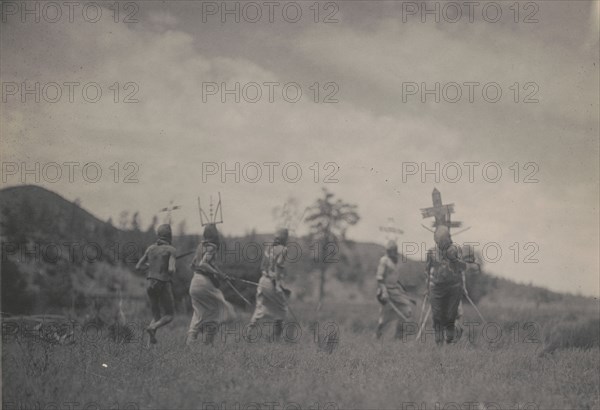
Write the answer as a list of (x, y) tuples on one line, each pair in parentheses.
[(289, 214)]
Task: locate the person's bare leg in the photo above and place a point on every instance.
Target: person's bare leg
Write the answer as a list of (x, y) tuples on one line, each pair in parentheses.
[(165, 320), (165, 299), (155, 308)]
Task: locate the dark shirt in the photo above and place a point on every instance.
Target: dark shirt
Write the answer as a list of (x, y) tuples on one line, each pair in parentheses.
[(445, 266), (158, 256)]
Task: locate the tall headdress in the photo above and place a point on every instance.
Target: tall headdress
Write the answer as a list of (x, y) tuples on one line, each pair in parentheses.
[(392, 232), (441, 213), (169, 209), (209, 221)]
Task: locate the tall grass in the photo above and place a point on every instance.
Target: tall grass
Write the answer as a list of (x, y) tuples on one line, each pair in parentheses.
[(359, 373)]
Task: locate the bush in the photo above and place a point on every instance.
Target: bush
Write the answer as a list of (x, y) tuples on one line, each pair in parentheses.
[(583, 334), (16, 299)]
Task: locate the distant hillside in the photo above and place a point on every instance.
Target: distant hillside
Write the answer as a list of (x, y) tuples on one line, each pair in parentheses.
[(35, 278), (57, 255), (31, 212)]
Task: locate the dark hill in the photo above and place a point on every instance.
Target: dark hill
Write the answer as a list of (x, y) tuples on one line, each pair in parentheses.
[(56, 255), (33, 216)]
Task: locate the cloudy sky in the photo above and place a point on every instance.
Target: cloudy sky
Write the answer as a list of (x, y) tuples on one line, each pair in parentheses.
[(367, 112)]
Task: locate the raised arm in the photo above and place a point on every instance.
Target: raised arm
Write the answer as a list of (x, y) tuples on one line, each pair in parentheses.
[(142, 260), (265, 262), (280, 263)]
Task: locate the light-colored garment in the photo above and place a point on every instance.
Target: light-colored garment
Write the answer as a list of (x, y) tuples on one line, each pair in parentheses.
[(208, 303), (271, 304), (204, 259), (460, 311), (388, 273), (271, 301), (273, 262), (387, 313)]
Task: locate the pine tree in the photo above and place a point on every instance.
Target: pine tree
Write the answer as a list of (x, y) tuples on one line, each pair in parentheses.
[(328, 221)]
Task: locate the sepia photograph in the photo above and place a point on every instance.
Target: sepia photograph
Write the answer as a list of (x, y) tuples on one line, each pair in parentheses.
[(300, 205)]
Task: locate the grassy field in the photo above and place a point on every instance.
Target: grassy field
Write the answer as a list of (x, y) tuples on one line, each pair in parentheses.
[(486, 372)]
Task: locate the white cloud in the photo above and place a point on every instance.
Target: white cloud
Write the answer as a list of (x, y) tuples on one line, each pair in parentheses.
[(170, 132)]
